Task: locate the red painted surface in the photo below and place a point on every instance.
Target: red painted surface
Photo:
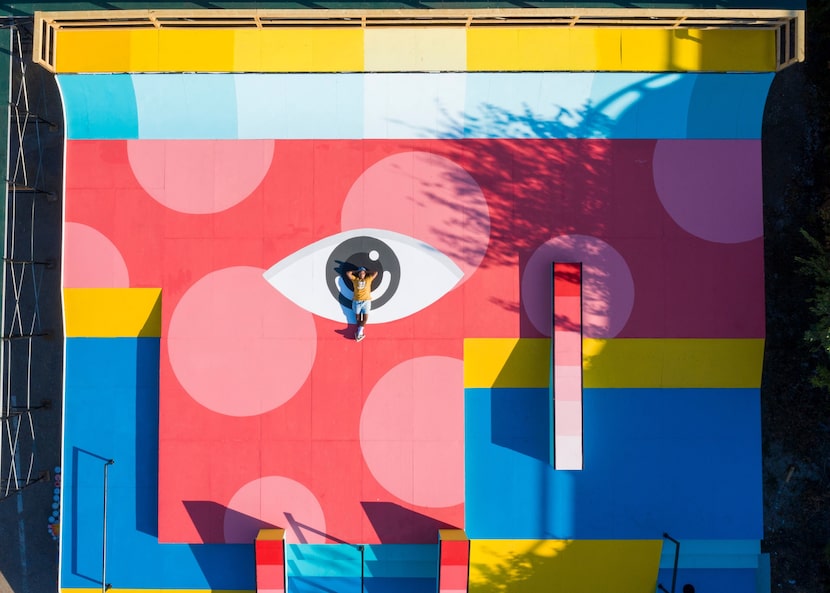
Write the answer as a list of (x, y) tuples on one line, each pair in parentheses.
[(534, 191)]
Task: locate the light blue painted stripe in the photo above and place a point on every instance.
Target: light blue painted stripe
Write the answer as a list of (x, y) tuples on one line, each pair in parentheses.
[(325, 585), (322, 560), (186, 106), (414, 105), (417, 105), (395, 561), (99, 106), (522, 105), (296, 106)]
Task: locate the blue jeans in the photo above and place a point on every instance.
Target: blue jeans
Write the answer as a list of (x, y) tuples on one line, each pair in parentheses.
[(361, 307)]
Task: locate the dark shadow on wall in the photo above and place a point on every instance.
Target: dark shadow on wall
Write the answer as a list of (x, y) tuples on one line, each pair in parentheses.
[(522, 179), (209, 518), (147, 435), (395, 524), (520, 420)]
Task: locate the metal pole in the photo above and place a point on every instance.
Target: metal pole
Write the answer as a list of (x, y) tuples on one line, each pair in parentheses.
[(104, 585), (676, 559)]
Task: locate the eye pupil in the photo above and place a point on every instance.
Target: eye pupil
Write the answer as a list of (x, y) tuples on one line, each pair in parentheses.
[(367, 252)]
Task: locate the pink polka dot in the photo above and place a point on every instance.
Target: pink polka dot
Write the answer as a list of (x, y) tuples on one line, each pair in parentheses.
[(275, 501), (427, 197), (607, 285), (712, 188), (200, 176), (239, 347), (412, 431), (91, 260)]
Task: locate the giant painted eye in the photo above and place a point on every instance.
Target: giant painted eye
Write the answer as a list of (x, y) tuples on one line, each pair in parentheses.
[(411, 274)]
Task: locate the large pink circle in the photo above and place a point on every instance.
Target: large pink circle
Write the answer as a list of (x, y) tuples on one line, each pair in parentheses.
[(412, 431), (200, 176), (712, 188), (274, 501), (91, 260), (427, 197), (607, 285), (239, 347)]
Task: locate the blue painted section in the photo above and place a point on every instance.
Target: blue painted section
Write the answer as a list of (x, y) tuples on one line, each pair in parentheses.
[(645, 107), (736, 580), (111, 401), (393, 585), (111, 412), (398, 561), (731, 107), (415, 105), (99, 106), (683, 461)]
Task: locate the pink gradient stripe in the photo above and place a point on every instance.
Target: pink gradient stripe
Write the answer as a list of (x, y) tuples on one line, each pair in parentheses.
[(270, 565), (454, 564), (567, 366)]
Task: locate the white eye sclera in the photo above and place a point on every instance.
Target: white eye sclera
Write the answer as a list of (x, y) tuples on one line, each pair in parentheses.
[(411, 274)]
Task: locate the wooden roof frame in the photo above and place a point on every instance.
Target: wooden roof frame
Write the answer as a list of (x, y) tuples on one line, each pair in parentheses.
[(788, 24)]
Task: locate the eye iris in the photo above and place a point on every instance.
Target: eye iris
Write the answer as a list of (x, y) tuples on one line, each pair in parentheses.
[(367, 252)]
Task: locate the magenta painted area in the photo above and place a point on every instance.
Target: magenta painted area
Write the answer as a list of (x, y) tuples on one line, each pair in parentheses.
[(607, 285), (200, 176), (428, 197), (567, 382), (91, 260), (568, 417), (711, 188), (412, 431), (237, 346), (274, 501)]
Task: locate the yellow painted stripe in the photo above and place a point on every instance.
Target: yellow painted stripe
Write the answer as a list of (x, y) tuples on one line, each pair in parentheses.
[(308, 50), (134, 50), (506, 362), (533, 566), (411, 49), (615, 50), (619, 363), (718, 50), (206, 50), (112, 312)]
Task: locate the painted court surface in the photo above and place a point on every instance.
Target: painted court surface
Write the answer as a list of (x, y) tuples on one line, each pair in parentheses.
[(209, 353)]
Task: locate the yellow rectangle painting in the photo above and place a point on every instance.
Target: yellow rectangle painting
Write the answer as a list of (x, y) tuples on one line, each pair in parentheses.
[(537, 566), (618, 363), (112, 312)]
